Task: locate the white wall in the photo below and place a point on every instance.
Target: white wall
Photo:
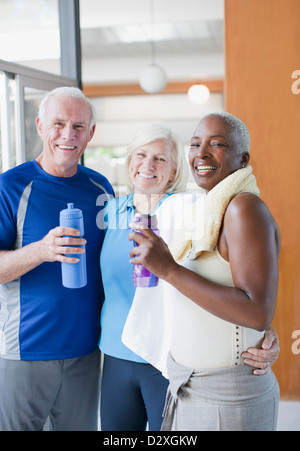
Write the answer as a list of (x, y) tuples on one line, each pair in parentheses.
[(120, 117)]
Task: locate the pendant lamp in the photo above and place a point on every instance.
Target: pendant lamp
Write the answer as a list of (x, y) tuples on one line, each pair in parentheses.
[(153, 78)]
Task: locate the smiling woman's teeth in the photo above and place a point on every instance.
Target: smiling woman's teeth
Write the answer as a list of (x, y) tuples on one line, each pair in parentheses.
[(205, 168), (145, 176)]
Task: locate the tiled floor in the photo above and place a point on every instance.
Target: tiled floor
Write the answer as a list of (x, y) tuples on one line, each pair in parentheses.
[(289, 416)]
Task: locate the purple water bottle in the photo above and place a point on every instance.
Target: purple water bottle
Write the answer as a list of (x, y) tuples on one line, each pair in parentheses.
[(73, 274), (142, 277)]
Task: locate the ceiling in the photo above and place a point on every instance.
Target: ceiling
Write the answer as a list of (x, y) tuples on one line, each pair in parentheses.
[(173, 33), (134, 40), (119, 37)]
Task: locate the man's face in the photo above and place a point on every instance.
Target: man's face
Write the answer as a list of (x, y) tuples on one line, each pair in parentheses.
[(65, 134)]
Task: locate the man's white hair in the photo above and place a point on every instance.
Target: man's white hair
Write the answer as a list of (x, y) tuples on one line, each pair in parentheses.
[(239, 128), (67, 92)]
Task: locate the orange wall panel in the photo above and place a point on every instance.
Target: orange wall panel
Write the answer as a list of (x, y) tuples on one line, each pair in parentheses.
[(262, 42)]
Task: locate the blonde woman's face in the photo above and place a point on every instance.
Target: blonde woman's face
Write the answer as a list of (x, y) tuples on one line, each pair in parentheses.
[(151, 167)]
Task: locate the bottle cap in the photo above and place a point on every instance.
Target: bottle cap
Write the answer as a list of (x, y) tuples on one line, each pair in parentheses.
[(71, 213), (146, 221)]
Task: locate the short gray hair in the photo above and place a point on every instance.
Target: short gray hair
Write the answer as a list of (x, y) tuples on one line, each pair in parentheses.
[(239, 128), (154, 133), (67, 92)]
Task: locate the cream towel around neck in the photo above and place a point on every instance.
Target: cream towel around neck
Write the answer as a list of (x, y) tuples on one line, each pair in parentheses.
[(202, 228)]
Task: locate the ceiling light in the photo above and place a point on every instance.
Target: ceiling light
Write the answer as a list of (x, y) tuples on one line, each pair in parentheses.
[(153, 79), (198, 94)]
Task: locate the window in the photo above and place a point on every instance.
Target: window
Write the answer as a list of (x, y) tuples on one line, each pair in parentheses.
[(20, 94), (7, 122), (30, 35)]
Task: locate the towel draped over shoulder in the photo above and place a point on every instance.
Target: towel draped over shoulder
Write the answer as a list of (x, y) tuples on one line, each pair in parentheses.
[(207, 215)]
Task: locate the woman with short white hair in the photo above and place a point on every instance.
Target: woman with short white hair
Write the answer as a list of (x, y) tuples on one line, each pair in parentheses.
[(221, 274)]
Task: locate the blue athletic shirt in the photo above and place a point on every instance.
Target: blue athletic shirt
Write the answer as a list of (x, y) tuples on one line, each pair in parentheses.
[(117, 277), (39, 318)]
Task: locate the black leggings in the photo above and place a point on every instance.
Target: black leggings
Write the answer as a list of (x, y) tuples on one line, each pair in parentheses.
[(132, 394)]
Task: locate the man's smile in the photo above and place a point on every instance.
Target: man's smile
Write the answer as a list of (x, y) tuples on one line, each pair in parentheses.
[(66, 147)]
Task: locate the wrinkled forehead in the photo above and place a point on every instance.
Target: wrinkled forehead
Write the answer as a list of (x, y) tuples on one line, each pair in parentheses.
[(68, 107)]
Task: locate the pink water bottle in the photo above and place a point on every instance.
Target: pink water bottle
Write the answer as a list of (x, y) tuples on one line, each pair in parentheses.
[(142, 277)]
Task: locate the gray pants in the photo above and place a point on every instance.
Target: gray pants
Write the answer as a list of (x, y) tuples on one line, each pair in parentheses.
[(224, 399), (66, 391)]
